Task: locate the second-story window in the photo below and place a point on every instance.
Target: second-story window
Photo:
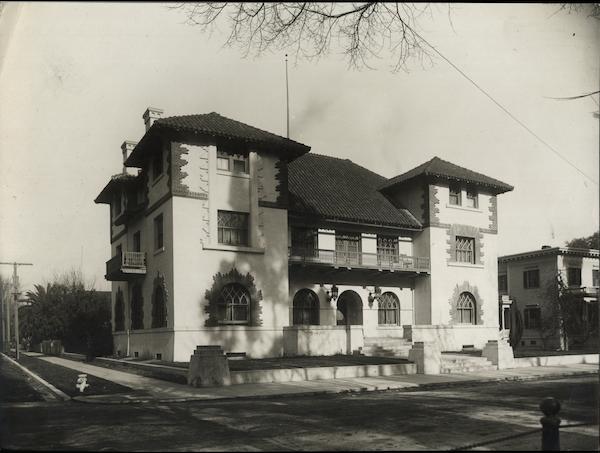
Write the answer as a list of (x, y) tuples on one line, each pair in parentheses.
[(387, 249), (157, 165), (236, 163), (158, 232), (574, 276), (137, 242), (502, 283), (465, 250), (455, 195), (531, 279), (232, 227), (304, 241), (472, 201)]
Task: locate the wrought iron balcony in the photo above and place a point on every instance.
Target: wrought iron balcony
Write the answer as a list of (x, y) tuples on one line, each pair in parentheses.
[(126, 266), (361, 260)]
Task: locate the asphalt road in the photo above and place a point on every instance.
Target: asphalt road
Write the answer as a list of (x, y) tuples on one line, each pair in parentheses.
[(441, 419)]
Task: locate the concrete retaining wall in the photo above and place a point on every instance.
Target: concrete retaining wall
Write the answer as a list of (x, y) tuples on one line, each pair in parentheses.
[(311, 374), (555, 360)]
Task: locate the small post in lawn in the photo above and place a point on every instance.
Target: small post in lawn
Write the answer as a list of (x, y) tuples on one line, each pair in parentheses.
[(550, 424)]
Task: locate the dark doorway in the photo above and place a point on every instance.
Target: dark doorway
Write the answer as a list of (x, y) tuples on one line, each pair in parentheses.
[(349, 309)]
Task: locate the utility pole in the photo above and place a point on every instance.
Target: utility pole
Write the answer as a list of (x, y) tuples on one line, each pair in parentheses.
[(15, 265), (287, 98)]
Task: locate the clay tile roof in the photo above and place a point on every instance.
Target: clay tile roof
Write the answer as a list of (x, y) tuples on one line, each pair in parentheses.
[(218, 125), (118, 180), (437, 167), (337, 189)]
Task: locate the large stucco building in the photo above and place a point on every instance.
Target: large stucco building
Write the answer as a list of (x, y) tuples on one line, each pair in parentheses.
[(222, 233), (526, 281)]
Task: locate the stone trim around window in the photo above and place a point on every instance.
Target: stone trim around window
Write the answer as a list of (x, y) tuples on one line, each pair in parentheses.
[(493, 208), (465, 231), (453, 301), (212, 296), (179, 188)]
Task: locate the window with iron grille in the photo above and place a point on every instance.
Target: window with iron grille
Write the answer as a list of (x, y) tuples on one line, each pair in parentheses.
[(232, 227), (466, 308), (387, 249), (233, 304), (455, 195), (306, 308), (574, 276), (465, 250), (532, 317), (389, 309), (531, 279), (472, 201)]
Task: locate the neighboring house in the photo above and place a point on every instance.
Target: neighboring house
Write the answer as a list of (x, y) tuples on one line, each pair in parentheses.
[(524, 282), (231, 235)]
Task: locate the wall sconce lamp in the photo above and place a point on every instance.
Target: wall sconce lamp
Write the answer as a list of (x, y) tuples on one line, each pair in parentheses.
[(375, 295), (333, 294)]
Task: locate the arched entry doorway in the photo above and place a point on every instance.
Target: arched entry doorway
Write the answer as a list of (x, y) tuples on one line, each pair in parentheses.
[(349, 309)]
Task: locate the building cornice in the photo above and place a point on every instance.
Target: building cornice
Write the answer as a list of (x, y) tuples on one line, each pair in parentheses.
[(552, 251)]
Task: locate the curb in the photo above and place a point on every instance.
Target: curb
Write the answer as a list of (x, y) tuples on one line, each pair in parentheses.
[(56, 392), (404, 388)]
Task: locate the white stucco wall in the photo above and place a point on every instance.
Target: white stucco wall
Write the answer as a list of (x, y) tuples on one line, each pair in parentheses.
[(479, 217)]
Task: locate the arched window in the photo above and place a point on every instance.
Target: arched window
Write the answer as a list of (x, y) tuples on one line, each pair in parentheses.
[(119, 312), (159, 307), (306, 308), (466, 308), (233, 304), (137, 307), (389, 309)]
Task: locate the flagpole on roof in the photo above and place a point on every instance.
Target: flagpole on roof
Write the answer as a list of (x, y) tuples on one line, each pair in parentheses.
[(287, 98)]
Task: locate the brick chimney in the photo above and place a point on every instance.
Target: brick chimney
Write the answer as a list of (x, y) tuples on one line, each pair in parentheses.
[(151, 115), (126, 148)]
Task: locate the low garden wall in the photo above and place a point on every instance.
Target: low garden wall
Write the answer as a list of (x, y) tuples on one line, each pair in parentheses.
[(453, 337), (321, 340)]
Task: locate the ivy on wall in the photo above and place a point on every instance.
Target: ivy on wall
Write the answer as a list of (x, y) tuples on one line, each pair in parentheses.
[(212, 296), (119, 311), (159, 302)]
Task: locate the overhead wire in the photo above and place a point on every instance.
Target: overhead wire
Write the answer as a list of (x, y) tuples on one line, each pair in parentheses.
[(504, 109)]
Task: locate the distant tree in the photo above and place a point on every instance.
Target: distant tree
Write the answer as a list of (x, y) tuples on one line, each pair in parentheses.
[(589, 242), (65, 310), (516, 331), (562, 315)]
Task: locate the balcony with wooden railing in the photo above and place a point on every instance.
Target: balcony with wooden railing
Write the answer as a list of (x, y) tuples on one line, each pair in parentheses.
[(359, 260), (126, 266), (584, 291)]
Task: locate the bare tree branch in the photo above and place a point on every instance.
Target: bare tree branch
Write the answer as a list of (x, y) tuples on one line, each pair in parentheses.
[(363, 31)]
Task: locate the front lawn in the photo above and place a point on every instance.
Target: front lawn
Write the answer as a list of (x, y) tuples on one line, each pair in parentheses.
[(65, 378)]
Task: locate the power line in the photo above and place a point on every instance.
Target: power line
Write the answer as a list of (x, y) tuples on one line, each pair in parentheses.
[(575, 97), (504, 109)]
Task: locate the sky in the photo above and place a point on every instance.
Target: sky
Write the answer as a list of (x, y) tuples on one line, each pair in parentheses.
[(76, 77)]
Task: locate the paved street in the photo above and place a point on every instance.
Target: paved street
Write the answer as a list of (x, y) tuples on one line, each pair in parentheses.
[(440, 419)]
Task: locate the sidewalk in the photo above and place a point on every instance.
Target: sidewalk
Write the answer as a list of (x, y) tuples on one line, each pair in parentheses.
[(148, 389)]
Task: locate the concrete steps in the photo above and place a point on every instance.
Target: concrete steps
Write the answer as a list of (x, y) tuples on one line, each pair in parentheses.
[(462, 363), (386, 347)]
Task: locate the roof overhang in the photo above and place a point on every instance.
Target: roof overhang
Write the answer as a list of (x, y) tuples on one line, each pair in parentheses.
[(567, 251), (286, 148), (116, 182)]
